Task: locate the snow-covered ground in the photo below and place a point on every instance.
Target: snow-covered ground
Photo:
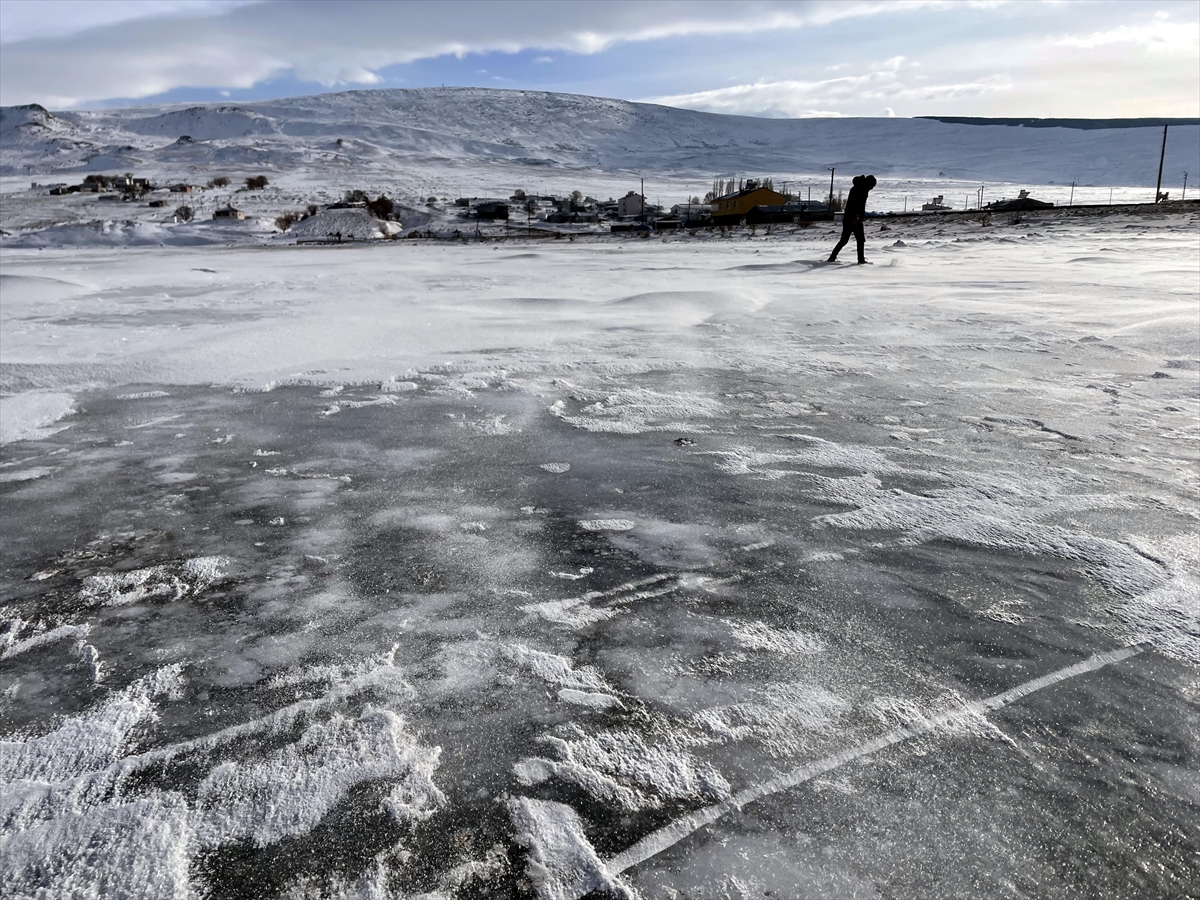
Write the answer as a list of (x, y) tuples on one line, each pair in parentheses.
[(667, 567)]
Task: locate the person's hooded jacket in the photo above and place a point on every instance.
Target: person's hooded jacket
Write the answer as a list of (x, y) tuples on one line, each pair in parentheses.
[(856, 203)]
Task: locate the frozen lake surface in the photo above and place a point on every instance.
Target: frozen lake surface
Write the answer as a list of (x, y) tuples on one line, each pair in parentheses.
[(658, 568)]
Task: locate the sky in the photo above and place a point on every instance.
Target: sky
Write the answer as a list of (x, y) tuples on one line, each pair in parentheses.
[(763, 58)]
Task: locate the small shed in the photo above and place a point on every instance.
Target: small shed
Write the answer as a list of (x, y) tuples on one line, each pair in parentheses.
[(228, 212)]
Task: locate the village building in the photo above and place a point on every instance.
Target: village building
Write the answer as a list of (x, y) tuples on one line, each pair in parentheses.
[(632, 204), (492, 209), (228, 212), (130, 184), (732, 208), (688, 212), (180, 189)]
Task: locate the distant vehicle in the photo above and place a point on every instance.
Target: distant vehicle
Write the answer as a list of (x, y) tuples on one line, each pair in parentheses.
[(1023, 203)]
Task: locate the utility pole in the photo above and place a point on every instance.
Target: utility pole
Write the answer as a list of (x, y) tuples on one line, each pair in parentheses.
[(1071, 201), (1161, 157), (1110, 190), (643, 203), (1184, 197), (831, 188)]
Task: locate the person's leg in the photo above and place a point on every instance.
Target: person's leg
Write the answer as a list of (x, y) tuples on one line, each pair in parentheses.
[(846, 231), (860, 239)]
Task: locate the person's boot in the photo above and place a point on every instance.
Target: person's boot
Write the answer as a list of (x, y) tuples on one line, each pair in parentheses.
[(862, 260), (832, 257)]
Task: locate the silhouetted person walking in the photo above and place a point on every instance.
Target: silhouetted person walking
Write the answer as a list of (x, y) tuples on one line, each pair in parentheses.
[(852, 218)]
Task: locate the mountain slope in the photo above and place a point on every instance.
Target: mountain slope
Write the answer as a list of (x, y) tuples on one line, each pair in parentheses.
[(385, 129)]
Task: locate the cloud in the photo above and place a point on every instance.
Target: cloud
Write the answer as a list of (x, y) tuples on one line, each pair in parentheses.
[(27, 19), (237, 45), (1161, 35), (896, 80), (763, 58)]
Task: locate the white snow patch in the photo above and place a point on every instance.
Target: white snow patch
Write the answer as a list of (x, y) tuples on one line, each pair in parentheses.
[(92, 740), (779, 719), (143, 395), (588, 699), (638, 410), (30, 474), (1168, 617), (62, 632), (292, 790), (562, 862), (129, 850), (32, 415), (171, 581), (557, 669), (760, 636), (607, 524), (351, 224), (620, 767)]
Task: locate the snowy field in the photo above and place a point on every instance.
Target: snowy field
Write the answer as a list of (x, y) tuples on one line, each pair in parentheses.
[(667, 568)]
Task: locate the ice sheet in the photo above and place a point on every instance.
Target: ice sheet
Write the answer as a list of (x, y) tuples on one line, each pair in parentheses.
[(452, 639)]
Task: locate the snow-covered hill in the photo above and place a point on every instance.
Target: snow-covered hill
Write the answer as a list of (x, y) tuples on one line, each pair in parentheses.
[(388, 130)]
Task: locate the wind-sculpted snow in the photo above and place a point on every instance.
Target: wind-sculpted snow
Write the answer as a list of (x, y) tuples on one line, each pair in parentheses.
[(79, 809), (657, 568)]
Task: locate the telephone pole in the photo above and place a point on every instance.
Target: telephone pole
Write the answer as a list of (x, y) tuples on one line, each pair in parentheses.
[(831, 188), (1161, 157)]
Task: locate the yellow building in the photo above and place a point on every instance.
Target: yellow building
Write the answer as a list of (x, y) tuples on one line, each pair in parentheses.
[(731, 208)]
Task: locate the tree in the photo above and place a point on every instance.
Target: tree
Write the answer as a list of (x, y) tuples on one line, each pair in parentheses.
[(518, 194), (288, 219), (576, 196), (256, 182), (381, 207), (219, 181), (356, 196), (184, 214)]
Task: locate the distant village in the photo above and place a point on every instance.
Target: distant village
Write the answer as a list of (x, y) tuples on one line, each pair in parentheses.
[(731, 203)]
